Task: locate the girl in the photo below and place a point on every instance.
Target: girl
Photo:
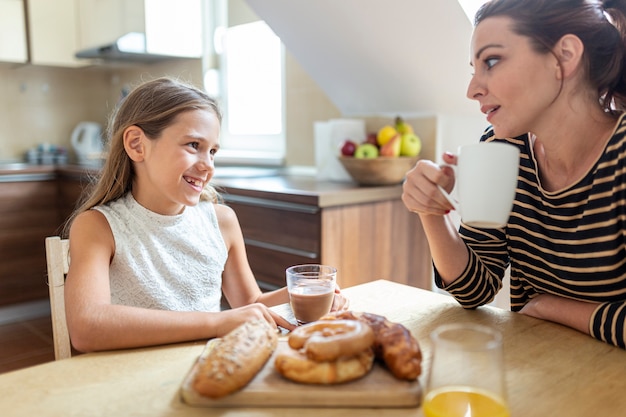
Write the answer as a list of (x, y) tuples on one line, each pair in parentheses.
[(151, 251), (550, 77)]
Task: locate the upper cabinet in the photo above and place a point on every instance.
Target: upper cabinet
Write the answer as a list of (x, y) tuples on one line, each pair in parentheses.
[(157, 27), (53, 32), (12, 31), (58, 29)]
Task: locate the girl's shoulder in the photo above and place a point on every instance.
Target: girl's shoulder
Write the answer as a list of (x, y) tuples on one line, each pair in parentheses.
[(224, 213)]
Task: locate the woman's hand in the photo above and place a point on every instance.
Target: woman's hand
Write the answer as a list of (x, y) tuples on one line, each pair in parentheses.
[(421, 192)]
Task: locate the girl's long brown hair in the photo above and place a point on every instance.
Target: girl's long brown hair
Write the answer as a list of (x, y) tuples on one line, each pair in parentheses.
[(152, 106)]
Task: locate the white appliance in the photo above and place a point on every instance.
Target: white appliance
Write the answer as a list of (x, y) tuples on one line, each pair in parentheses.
[(87, 143)]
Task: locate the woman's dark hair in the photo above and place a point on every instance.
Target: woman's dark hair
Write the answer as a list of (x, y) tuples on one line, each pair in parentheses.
[(600, 25)]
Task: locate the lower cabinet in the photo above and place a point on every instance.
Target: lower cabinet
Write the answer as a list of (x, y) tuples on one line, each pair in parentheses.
[(33, 206), (365, 242), (28, 213)]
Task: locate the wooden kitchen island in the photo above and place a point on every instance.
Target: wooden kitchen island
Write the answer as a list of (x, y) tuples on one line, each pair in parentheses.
[(365, 232)]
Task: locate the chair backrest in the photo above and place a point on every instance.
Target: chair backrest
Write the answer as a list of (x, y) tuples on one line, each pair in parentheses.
[(57, 258)]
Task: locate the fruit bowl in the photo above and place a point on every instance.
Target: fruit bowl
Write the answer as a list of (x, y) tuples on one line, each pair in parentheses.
[(378, 171)]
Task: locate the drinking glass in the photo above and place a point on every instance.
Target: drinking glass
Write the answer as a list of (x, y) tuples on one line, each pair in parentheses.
[(466, 376), (311, 291)]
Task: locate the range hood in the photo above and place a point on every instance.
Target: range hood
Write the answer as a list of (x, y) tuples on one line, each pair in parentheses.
[(127, 48)]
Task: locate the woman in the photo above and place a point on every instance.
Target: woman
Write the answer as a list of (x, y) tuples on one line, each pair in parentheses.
[(550, 77), (151, 251)]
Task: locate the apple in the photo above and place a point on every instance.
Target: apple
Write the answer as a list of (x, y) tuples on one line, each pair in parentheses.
[(366, 150), (371, 138), (348, 148), (410, 145)]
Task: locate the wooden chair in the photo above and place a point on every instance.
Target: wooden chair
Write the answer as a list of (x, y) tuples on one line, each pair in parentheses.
[(57, 258)]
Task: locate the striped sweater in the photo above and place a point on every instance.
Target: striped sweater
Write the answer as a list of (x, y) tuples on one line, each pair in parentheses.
[(571, 243)]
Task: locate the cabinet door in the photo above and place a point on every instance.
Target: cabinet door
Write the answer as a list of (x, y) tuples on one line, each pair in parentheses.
[(53, 33), (12, 31), (277, 235), (103, 21)]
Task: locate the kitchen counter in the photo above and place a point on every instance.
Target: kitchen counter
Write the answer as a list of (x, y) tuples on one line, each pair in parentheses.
[(306, 190), (366, 232), (18, 172), (298, 189)]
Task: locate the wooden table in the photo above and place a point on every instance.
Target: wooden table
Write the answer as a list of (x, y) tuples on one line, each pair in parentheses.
[(551, 370)]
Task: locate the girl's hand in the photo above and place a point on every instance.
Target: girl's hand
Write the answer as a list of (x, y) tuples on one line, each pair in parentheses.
[(340, 302), (230, 319), (421, 194)]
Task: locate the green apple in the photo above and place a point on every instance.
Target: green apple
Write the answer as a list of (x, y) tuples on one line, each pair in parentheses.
[(366, 150), (410, 145)]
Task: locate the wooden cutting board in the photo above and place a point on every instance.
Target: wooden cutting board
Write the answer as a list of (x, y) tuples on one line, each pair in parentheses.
[(269, 389)]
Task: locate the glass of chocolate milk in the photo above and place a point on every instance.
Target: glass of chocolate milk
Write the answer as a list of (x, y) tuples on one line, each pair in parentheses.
[(311, 291)]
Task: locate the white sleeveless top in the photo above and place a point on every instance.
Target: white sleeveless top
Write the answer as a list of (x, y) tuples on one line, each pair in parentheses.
[(165, 262)]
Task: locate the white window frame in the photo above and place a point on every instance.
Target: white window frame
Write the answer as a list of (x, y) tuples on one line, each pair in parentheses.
[(248, 149)]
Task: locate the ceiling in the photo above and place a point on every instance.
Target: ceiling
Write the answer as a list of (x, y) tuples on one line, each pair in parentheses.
[(374, 57)]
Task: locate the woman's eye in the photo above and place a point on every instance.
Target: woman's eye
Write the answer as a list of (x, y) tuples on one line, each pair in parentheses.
[(194, 145), (490, 62), (213, 151)]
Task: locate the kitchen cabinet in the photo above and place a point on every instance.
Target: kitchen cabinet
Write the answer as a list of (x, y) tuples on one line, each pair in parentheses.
[(13, 31), (58, 29), (365, 232), (171, 28), (28, 213), (53, 34), (34, 204)]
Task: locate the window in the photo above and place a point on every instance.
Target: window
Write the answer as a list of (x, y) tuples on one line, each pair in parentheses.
[(250, 84)]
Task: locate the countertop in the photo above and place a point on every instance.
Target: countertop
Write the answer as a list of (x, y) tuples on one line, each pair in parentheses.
[(16, 172), (305, 190), (256, 183)]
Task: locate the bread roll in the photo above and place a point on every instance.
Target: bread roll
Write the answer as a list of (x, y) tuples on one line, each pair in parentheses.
[(296, 366), (393, 345), (235, 359)]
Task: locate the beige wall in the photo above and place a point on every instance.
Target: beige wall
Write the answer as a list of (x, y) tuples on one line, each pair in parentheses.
[(44, 104)]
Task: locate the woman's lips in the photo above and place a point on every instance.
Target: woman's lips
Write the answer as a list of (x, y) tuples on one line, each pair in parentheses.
[(490, 111)]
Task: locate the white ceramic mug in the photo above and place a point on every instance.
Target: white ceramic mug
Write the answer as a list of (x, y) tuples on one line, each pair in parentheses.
[(486, 182)]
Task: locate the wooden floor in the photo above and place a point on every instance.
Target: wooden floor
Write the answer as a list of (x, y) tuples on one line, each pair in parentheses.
[(26, 343)]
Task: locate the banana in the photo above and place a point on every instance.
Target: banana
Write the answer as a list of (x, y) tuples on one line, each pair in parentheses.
[(402, 127)]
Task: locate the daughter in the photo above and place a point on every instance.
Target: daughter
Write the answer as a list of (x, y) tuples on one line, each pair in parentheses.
[(151, 250)]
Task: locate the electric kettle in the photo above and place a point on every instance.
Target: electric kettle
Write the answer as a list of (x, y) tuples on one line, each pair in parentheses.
[(87, 143)]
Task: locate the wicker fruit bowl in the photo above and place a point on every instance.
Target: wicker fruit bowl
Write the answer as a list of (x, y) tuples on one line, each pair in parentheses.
[(378, 171)]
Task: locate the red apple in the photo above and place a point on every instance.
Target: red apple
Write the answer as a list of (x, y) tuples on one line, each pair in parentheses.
[(371, 138), (348, 147)]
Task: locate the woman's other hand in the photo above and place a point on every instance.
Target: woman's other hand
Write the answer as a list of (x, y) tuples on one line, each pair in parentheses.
[(421, 192)]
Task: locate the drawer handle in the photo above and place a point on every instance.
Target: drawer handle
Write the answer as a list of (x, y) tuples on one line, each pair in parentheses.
[(280, 248), (262, 202)]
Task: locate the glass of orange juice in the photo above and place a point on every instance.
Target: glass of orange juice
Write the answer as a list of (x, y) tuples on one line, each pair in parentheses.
[(466, 376)]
